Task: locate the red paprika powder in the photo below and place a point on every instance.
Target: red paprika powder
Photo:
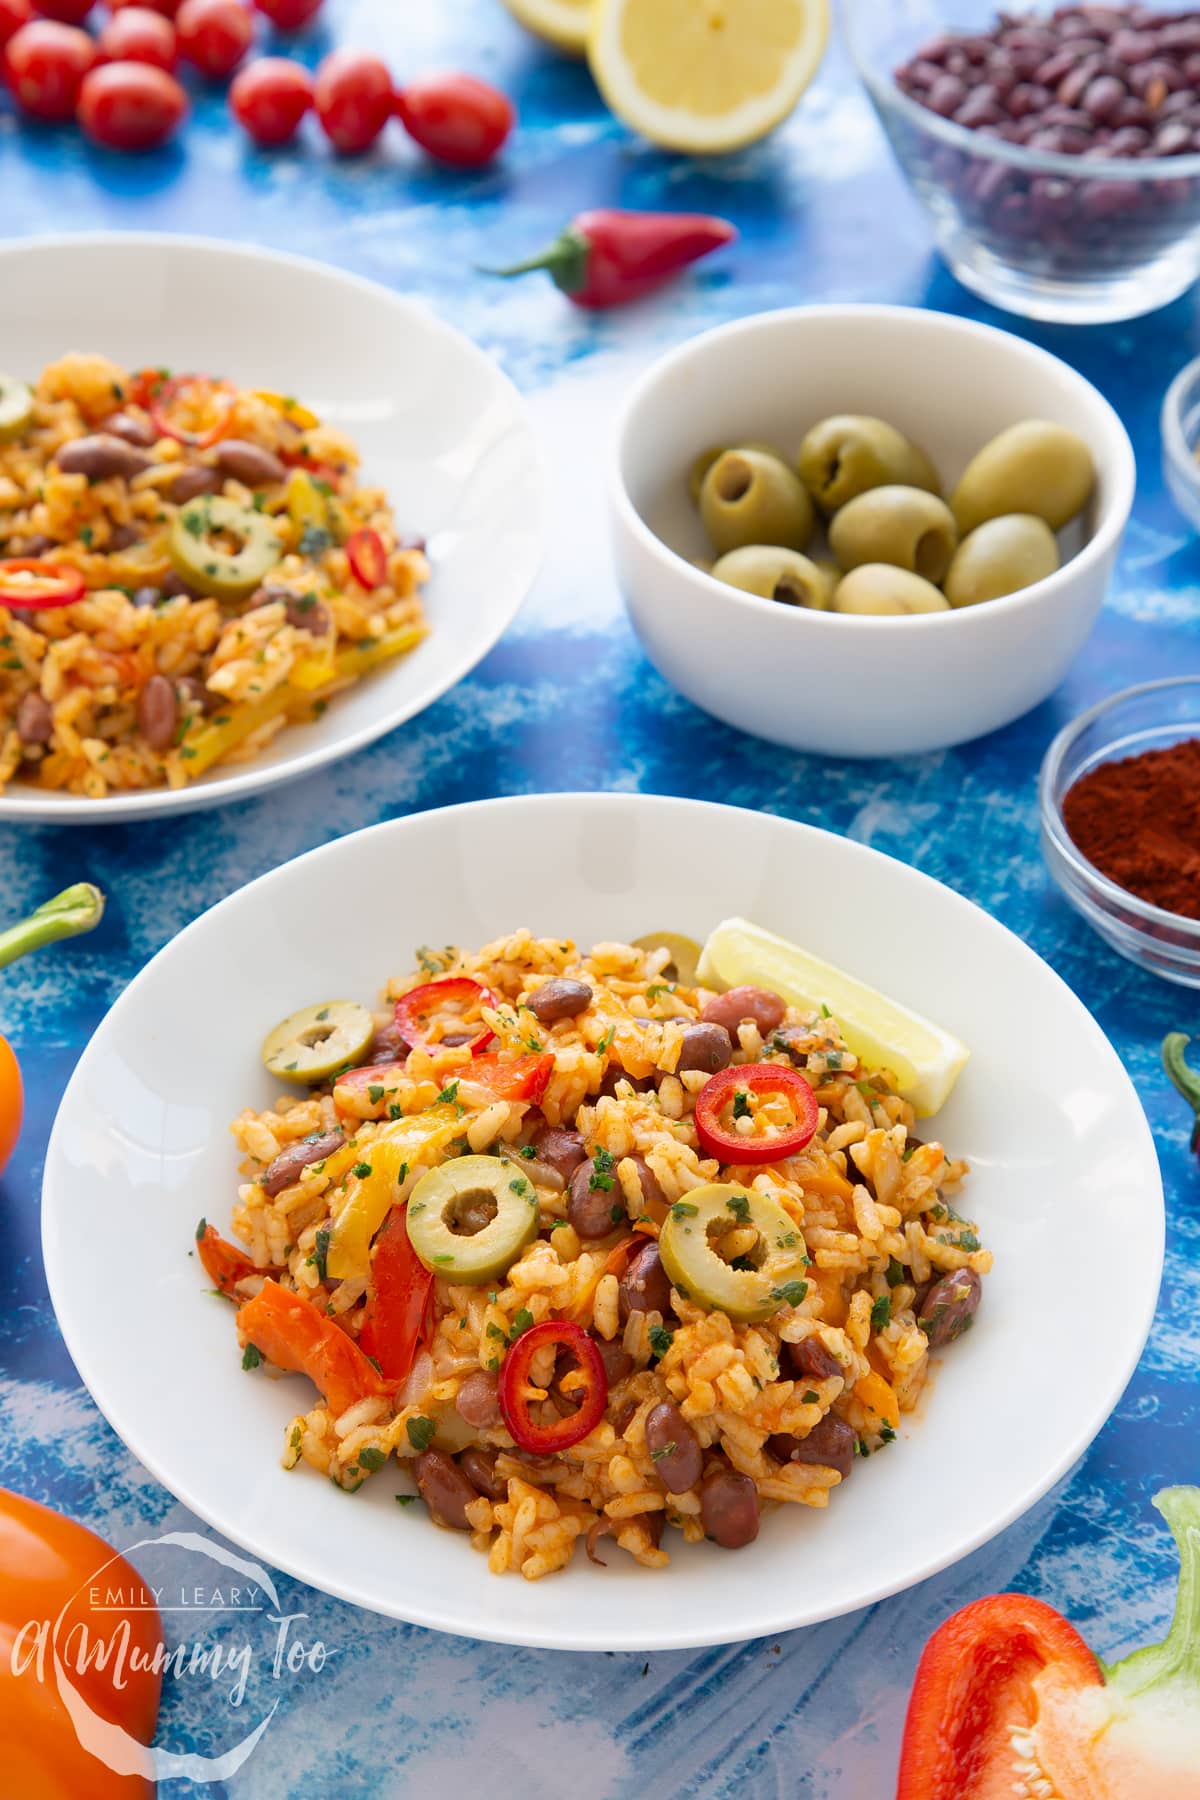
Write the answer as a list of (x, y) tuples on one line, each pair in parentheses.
[(1138, 821)]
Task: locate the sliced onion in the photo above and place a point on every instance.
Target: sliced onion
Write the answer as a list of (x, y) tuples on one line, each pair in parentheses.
[(419, 1378)]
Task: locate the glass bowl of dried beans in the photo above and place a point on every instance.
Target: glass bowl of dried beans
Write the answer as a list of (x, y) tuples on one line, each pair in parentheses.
[(1120, 817), (1056, 149)]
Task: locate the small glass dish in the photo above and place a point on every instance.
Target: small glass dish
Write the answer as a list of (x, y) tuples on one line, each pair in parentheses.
[(1181, 441), (1151, 717), (1081, 239)]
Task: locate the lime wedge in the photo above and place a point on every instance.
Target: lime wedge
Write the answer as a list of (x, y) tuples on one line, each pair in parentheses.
[(925, 1060)]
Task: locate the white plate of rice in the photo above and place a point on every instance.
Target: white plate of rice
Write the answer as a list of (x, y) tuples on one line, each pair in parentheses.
[(1064, 1185), (438, 427)]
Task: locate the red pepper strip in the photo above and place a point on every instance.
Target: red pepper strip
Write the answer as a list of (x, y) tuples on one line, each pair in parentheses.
[(416, 1011), (757, 1078), (217, 393), (608, 258), (975, 1686), (367, 557), (36, 586), (291, 1333), (522, 1078), (368, 1092), (518, 1396), (224, 1263), (397, 1299)]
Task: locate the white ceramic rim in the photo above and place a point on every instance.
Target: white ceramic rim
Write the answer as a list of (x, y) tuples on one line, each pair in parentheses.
[(1102, 542), (254, 778), (665, 1637)]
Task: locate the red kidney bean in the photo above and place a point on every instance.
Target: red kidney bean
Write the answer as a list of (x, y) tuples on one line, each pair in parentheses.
[(477, 1401), (444, 1488), (706, 1047), (158, 712), (594, 1197), (1026, 98), (674, 1448), (146, 596), (101, 458), (729, 1509), (387, 1045), (479, 1467), (191, 483), (306, 613), (811, 1360), (291, 1162), (617, 1363), (645, 1285), (946, 95), (562, 1150), (745, 1003), (950, 1306), (133, 430), (641, 1084), (35, 720), (122, 537), (831, 1443), (981, 107), (249, 463), (558, 999), (173, 585), (1102, 98)]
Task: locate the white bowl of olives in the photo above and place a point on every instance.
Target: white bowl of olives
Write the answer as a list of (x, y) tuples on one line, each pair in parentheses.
[(866, 530)]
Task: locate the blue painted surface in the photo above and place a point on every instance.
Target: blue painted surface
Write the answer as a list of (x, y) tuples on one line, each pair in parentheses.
[(823, 216)]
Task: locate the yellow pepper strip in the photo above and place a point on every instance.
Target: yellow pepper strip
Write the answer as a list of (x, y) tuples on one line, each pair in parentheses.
[(202, 748), (879, 1398), (287, 408), (306, 504), (399, 1148)]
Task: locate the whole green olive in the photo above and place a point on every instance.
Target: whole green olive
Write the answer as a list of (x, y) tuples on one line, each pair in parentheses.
[(907, 526), (707, 458), (999, 557), (749, 497), (776, 574), (883, 588), (844, 456), (1035, 467)]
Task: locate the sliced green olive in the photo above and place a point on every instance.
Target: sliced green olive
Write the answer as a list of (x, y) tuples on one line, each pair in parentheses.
[(16, 407), (200, 547), (685, 954), (690, 1245), (470, 1219), (310, 1045)]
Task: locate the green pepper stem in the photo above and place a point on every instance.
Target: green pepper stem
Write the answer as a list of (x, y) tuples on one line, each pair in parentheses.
[(1184, 1078), (76, 910), (565, 261), (1177, 1659)]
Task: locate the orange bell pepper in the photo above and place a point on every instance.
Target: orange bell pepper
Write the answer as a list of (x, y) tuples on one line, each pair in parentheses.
[(295, 1335)]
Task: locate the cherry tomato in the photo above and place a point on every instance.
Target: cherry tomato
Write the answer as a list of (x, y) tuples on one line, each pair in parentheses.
[(455, 118), (12, 1101), (137, 34), (168, 8), (131, 106), (214, 35), (354, 99), (14, 14), (68, 12), (46, 64), (270, 98), (289, 15)]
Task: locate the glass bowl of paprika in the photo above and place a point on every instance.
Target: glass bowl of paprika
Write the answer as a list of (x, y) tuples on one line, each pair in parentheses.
[(1120, 814)]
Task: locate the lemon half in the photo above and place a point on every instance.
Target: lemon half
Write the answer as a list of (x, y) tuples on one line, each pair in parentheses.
[(561, 22), (925, 1059), (705, 75)]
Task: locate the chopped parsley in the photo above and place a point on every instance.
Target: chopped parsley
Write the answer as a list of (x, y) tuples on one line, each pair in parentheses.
[(739, 1206), (683, 1209), (250, 1357), (449, 1096), (528, 1152), (320, 1253), (887, 1433), (421, 1432), (201, 1228), (362, 1170), (968, 1241), (894, 1273), (616, 1214), (660, 1339), (519, 1186), (371, 1459), (741, 1104), (881, 1313), (522, 1320), (406, 1499), (315, 540), (375, 1094), (791, 1293), (667, 1449), (605, 1043), (810, 1399), (395, 1111)]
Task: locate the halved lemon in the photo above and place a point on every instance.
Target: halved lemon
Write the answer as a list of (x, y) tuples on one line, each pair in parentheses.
[(705, 76), (925, 1059), (561, 22)]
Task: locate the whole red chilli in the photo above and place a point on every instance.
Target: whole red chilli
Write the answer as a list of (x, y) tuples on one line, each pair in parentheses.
[(608, 258)]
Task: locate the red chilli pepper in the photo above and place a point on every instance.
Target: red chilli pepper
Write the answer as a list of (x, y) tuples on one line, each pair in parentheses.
[(729, 1146), (417, 1012), (609, 258), (519, 1078), (205, 390), (518, 1395), (32, 585), (397, 1299), (367, 558), (977, 1682), (225, 1264)]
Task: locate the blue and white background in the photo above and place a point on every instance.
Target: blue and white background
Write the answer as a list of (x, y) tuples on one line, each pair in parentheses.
[(567, 701)]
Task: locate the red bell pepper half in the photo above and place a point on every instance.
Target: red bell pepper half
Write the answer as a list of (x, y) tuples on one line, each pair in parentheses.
[(396, 1299), (295, 1335), (1007, 1696)]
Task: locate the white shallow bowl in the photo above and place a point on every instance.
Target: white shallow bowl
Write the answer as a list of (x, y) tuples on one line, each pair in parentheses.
[(439, 427), (1065, 1185), (827, 682)]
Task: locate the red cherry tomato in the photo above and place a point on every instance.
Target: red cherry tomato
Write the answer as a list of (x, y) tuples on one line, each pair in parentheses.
[(456, 118), (289, 15), (14, 14), (214, 35), (168, 8), (136, 34), (354, 99), (131, 106), (67, 12), (270, 97), (46, 63)]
